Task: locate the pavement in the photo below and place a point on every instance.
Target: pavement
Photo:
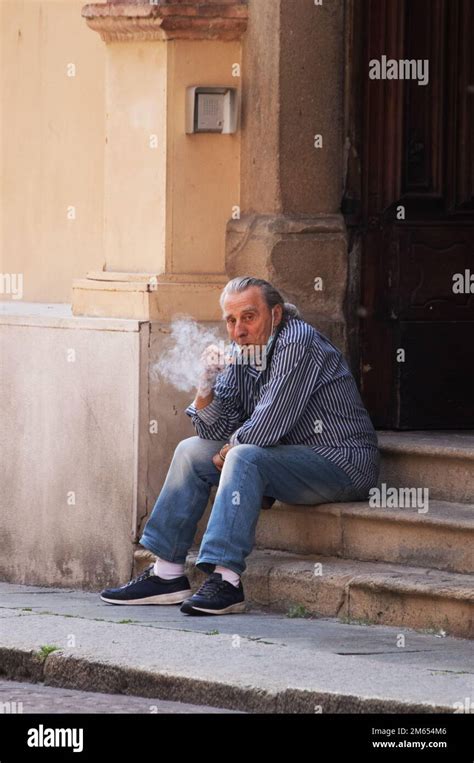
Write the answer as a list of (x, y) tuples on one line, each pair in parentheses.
[(27, 698), (256, 662)]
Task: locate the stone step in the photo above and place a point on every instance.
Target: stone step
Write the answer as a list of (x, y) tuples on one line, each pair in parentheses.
[(374, 593), (440, 460), (442, 538)]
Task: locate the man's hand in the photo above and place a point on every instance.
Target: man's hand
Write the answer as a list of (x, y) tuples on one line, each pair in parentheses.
[(218, 459), (212, 363)]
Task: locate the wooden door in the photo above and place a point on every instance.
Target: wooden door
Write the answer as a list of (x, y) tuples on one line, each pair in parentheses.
[(417, 231)]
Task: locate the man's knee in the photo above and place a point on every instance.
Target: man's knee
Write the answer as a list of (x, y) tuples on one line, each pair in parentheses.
[(245, 452), (188, 442), (196, 449), (189, 446)]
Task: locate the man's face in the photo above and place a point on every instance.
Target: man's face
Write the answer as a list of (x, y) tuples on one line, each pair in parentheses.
[(248, 318)]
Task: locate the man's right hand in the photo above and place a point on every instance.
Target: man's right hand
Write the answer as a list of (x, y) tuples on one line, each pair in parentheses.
[(212, 363)]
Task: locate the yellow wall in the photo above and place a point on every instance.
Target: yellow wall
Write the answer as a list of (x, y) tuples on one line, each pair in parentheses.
[(168, 195), (52, 146), (84, 142), (204, 169), (135, 157)]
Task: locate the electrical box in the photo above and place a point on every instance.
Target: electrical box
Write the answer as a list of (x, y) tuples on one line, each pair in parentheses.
[(212, 109)]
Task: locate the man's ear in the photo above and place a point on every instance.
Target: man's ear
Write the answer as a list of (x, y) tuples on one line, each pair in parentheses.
[(278, 315)]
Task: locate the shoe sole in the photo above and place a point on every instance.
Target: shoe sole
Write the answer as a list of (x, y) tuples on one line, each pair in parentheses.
[(190, 609), (166, 598)]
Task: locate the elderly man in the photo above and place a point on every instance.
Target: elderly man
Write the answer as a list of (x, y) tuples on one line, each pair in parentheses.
[(293, 429)]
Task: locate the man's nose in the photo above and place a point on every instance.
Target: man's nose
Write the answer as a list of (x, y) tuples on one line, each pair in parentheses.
[(239, 329)]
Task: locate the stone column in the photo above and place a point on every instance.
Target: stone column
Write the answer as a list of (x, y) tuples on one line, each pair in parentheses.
[(167, 195), (290, 229)]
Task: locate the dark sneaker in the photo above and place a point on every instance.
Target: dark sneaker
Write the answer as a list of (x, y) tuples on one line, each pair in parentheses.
[(215, 597), (148, 588)]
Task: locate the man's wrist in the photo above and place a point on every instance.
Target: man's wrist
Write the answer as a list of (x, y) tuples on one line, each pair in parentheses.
[(226, 449), (233, 438), (203, 399)]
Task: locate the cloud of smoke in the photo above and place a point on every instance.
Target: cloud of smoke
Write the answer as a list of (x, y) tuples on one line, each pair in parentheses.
[(180, 361)]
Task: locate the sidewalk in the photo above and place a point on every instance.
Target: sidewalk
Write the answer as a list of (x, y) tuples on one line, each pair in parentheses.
[(254, 662)]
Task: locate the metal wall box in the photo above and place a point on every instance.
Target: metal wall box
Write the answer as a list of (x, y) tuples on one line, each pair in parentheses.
[(212, 109)]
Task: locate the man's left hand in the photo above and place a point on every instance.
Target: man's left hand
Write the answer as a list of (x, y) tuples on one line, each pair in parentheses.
[(217, 460)]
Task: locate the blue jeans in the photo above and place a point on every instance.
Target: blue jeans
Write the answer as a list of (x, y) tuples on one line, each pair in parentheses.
[(289, 473)]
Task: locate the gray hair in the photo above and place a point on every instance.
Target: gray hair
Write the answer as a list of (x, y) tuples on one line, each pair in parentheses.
[(271, 295)]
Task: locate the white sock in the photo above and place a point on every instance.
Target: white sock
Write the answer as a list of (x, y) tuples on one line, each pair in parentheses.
[(168, 570), (228, 575)]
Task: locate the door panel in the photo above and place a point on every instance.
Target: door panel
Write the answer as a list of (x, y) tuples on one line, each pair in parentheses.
[(418, 217)]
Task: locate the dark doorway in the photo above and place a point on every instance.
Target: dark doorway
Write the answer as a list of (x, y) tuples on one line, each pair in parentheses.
[(416, 222)]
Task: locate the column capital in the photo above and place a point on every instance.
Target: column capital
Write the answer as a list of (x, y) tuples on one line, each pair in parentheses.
[(167, 19)]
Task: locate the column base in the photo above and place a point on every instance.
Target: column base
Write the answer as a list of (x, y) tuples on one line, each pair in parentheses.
[(148, 296)]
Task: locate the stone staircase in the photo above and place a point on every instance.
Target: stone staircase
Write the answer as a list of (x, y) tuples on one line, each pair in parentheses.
[(412, 567)]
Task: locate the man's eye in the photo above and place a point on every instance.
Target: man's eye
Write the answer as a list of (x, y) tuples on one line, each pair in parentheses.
[(246, 318)]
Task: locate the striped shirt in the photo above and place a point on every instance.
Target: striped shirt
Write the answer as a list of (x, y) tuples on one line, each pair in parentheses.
[(305, 395)]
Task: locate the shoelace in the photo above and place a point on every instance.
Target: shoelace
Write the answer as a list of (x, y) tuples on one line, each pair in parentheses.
[(211, 587), (148, 572)]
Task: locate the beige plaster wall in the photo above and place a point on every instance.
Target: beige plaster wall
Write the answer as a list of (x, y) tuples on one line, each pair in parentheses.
[(71, 441), (52, 146), (86, 142), (135, 192), (88, 433), (203, 169)]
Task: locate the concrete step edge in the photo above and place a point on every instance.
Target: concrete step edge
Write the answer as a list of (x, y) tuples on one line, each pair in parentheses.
[(369, 535), (372, 573), (447, 514), (381, 593), (447, 445), (396, 577), (69, 672)]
